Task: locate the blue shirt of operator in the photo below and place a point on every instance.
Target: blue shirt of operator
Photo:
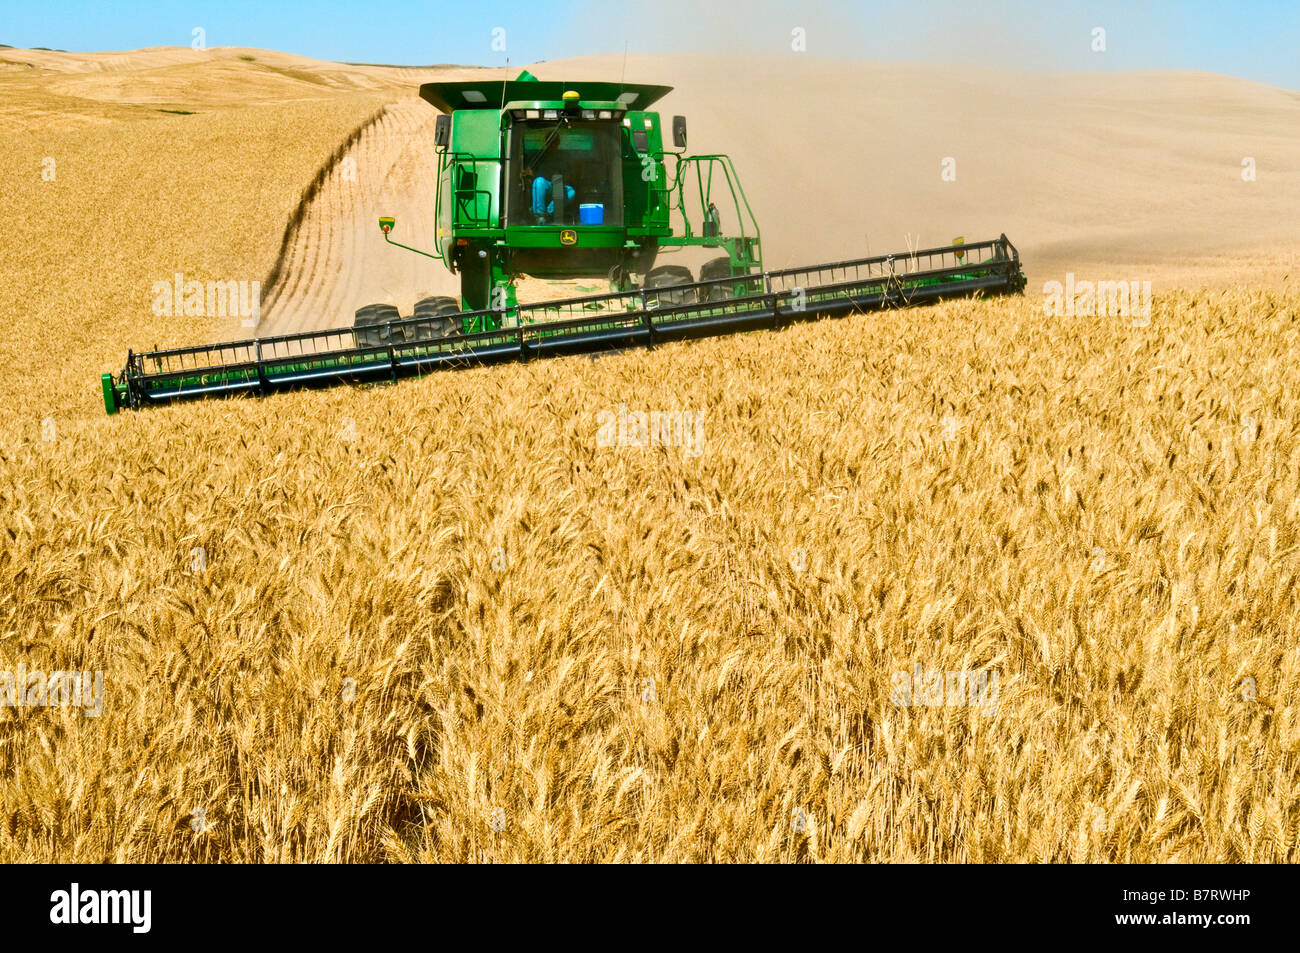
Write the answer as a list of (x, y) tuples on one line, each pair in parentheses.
[(542, 204)]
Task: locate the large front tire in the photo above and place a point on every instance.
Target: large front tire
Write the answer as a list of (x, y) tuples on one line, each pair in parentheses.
[(367, 325), (435, 318), (661, 289), (717, 268)]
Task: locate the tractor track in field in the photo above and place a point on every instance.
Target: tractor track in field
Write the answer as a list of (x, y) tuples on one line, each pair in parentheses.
[(822, 203), (334, 259)]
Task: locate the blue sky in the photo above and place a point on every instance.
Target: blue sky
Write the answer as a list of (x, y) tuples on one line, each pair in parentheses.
[(1254, 39)]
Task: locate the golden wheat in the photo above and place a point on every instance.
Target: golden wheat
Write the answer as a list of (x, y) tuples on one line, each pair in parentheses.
[(432, 610)]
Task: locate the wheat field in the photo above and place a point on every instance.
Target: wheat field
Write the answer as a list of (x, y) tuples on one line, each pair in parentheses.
[(639, 654), (443, 621)]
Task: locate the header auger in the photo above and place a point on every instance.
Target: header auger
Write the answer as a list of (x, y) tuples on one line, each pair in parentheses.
[(559, 181)]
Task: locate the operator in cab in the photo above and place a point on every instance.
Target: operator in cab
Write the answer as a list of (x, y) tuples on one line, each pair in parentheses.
[(543, 203)]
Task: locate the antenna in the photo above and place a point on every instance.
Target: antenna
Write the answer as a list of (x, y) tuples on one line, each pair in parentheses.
[(623, 77)]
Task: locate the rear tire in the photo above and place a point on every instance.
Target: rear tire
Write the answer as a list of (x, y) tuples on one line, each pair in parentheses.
[(663, 280), (436, 324), (717, 268), (363, 324)]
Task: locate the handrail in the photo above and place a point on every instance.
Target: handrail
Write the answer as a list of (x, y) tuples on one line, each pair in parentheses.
[(673, 197), (676, 185), (446, 158)]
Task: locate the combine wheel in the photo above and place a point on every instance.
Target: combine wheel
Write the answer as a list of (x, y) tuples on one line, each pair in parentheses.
[(721, 268), (663, 280), (440, 325), (717, 268), (363, 324)]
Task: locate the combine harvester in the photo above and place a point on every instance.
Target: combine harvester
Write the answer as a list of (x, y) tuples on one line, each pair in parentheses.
[(561, 181)]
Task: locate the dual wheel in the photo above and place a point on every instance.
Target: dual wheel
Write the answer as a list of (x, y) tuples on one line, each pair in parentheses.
[(666, 286), (433, 315), (666, 281)]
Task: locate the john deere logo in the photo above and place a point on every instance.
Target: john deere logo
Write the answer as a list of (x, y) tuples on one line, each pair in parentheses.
[(568, 237)]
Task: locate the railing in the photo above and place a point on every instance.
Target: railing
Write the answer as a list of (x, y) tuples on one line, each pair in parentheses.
[(453, 164), (746, 223)]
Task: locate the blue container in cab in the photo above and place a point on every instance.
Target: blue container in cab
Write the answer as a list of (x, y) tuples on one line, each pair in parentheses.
[(591, 214)]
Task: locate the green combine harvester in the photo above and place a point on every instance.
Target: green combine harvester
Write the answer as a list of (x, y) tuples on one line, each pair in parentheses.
[(562, 181)]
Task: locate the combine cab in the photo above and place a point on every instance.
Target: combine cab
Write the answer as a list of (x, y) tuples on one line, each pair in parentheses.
[(572, 180), (561, 181)]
